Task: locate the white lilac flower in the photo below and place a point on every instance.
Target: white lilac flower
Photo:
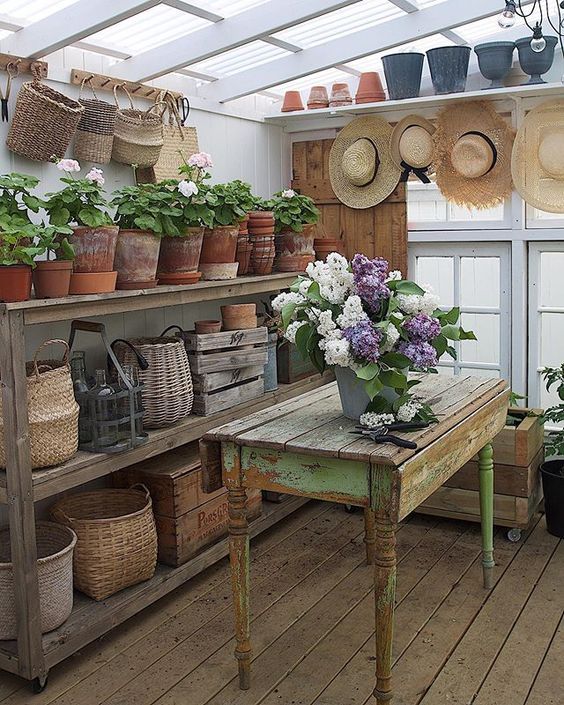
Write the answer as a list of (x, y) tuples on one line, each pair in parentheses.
[(68, 165), (187, 188), (286, 297), (419, 303), (288, 193), (371, 419), (392, 337), (337, 352), (304, 286), (325, 324), (394, 275), (407, 411), (96, 176), (292, 329), (352, 313)]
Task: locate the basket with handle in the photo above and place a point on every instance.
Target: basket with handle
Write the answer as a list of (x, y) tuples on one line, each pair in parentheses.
[(116, 538), (164, 371), (52, 410), (138, 134), (44, 122), (95, 133)]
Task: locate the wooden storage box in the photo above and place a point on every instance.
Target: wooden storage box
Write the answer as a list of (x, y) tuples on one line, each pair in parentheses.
[(291, 365), (227, 368), (518, 453)]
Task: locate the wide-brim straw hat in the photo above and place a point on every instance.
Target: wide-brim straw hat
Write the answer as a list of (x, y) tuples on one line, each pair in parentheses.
[(473, 146), (412, 146), (361, 168), (537, 163)]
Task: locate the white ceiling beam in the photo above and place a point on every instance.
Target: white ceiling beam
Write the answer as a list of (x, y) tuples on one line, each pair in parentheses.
[(194, 10), (281, 44), (271, 16), (454, 37), (406, 5), (365, 42)]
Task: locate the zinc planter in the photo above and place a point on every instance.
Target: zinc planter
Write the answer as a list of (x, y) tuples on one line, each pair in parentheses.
[(51, 280), (270, 369), (137, 257), (403, 74), (533, 63), (180, 255), (15, 283), (449, 68), (94, 248), (220, 244), (552, 472), (495, 60), (354, 398)]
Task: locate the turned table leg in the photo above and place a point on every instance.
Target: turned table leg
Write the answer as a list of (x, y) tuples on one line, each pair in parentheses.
[(485, 465), (385, 594), (239, 559), (369, 535)]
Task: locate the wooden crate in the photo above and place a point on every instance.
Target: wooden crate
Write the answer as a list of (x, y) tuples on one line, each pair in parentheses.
[(291, 365), (518, 453), (227, 368)]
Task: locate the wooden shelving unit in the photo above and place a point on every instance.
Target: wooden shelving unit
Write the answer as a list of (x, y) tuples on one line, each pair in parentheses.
[(32, 654)]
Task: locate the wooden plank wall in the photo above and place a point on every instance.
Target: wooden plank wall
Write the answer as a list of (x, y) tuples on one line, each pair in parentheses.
[(380, 231)]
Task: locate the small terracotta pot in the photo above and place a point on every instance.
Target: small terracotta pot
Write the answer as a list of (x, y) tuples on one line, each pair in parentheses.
[(178, 278), (294, 263), (15, 283), (340, 95), (292, 102), (239, 316), (180, 254), (254, 215), (266, 230), (92, 282), (203, 327), (220, 245), (219, 271), (244, 251), (263, 266), (324, 247), (51, 280), (137, 256), (370, 88), (94, 248), (318, 98), (294, 248)]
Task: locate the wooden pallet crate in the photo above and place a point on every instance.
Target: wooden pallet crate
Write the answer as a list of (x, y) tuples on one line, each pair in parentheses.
[(227, 368), (291, 365)]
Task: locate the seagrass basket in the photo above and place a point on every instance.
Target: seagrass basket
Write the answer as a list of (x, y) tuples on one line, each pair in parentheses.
[(138, 135), (44, 122), (52, 411), (55, 546), (95, 133), (117, 538)]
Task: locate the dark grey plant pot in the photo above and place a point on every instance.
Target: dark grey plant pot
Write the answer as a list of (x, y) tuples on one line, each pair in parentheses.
[(533, 63), (403, 74), (495, 60), (449, 68)]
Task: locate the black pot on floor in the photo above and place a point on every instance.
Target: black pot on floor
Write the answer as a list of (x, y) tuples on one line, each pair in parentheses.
[(403, 74), (552, 472), (449, 68)]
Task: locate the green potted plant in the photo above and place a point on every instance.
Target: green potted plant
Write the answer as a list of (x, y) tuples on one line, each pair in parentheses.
[(294, 217), (552, 470), (82, 205), (17, 255), (52, 277)]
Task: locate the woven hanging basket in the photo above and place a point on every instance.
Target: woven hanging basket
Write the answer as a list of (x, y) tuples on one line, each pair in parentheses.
[(52, 411), (168, 392), (117, 538), (55, 545), (95, 134), (138, 135), (44, 122)]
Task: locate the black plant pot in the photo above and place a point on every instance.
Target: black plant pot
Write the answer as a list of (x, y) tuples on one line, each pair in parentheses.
[(495, 60), (533, 63), (552, 472), (449, 68), (403, 74)]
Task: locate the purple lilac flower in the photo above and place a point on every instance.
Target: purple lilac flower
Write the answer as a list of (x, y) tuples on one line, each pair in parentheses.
[(370, 280), (365, 340), (423, 327), (420, 353)]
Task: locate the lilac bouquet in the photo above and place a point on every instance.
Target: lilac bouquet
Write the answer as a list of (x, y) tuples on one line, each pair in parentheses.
[(363, 317)]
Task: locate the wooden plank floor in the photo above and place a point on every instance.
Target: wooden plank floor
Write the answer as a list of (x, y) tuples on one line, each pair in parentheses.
[(313, 626)]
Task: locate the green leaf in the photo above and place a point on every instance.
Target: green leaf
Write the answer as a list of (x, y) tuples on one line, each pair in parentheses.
[(302, 337), (373, 387), (394, 359), (451, 332), (440, 344), (451, 316), (467, 334), (287, 313), (313, 293), (408, 287), (393, 379), (368, 371)]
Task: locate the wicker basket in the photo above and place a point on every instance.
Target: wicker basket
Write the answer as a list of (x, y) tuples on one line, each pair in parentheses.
[(55, 545), (167, 392), (95, 134), (117, 538), (52, 411), (44, 122), (138, 135)]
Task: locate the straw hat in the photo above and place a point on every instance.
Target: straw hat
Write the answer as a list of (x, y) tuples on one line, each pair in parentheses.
[(537, 163), (361, 169), (473, 155), (412, 146)]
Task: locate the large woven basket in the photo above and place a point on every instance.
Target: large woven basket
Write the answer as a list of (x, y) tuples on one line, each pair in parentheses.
[(52, 411), (44, 122), (117, 538), (55, 545), (138, 136), (95, 134), (168, 392)]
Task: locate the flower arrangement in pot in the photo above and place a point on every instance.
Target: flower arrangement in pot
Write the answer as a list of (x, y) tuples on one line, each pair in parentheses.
[(373, 327), (82, 205), (552, 470), (52, 276), (294, 216)]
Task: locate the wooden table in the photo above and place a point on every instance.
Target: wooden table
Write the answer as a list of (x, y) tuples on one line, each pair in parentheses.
[(303, 447)]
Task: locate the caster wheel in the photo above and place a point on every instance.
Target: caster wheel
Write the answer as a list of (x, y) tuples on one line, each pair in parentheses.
[(350, 509), (514, 535), (38, 685)]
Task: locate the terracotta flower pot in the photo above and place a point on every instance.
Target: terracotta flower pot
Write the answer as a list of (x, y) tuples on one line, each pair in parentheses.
[(51, 279), (203, 327), (137, 257), (94, 248), (15, 283), (220, 244), (263, 266), (265, 230), (370, 88), (318, 98), (179, 278), (254, 215), (239, 316), (291, 245), (244, 251), (340, 95), (324, 247), (180, 254), (292, 102), (219, 271), (92, 282)]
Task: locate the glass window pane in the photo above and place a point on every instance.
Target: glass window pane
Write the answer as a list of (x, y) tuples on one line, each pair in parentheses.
[(480, 281), (552, 339), (439, 273), (551, 285), (486, 326)]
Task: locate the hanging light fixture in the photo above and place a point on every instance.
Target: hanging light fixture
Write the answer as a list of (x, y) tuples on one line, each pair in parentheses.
[(514, 9)]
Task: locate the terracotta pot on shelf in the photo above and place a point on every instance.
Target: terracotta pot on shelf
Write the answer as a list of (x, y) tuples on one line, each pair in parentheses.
[(292, 102), (265, 230), (137, 257), (340, 95), (178, 278), (254, 215), (208, 326), (180, 255), (94, 248), (92, 282), (239, 316), (263, 266), (318, 98), (244, 252), (244, 226), (51, 279), (294, 249), (219, 271), (370, 88), (220, 244), (15, 283), (324, 246)]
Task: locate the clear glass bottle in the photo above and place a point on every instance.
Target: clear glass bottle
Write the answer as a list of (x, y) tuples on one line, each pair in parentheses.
[(80, 385), (124, 407), (140, 434), (103, 403)]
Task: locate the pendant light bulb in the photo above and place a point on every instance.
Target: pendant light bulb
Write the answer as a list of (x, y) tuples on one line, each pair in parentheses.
[(507, 17), (538, 42)]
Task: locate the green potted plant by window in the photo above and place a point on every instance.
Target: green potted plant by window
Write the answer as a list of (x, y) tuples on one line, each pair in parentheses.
[(294, 218), (17, 255), (52, 277), (81, 204), (552, 470)]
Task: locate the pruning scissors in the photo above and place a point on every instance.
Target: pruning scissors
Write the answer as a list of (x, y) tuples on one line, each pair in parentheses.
[(381, 434), (183, 105)]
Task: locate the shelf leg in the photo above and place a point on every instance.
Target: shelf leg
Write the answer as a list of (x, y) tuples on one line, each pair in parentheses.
[(19, 491)]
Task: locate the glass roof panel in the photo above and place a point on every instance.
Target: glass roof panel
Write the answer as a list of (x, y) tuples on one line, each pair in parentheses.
[(239, 59), (32, 10), (321, 78)]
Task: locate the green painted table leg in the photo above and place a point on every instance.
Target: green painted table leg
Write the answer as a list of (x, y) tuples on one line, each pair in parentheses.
[(485, 465), (369, 535)]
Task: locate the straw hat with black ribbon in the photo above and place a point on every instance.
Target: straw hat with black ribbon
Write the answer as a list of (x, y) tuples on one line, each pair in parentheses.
[(537, 163), (473, 146), (361, 168), (412, 147)]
